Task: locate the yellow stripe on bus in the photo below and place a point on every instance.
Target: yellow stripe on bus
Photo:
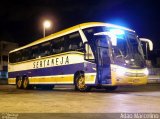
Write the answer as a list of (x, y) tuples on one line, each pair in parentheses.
[(51, 79)]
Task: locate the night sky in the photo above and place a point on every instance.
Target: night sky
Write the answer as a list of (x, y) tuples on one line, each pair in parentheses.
[(21, 20)]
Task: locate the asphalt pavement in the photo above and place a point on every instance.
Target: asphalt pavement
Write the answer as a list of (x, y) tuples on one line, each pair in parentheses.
[(65, 100)]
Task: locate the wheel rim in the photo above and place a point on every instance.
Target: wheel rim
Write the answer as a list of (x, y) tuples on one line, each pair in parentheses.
[(81, 83), (19, 83)]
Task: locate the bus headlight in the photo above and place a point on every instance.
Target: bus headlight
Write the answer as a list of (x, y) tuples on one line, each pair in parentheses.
[(146, 72), (120, 71)]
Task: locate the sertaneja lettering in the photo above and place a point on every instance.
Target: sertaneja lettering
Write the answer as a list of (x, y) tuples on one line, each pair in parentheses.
[(48, 62), (40, 63), (34, 65), (61, 62), (51, 62), (57, 60), (37, 64), (44, 63), (67, 60)]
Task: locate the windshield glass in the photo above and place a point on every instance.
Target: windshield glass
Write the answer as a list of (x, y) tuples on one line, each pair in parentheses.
[(127, 51)]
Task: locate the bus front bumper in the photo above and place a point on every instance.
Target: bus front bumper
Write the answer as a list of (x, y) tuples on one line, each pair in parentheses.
[(130, 80)]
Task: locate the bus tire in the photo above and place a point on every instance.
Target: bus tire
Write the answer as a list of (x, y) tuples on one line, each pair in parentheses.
[(19, 84), (80, 83), (111, 88), (25, 83)]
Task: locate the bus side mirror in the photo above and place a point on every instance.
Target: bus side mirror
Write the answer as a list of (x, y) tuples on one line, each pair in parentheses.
[(147, 41), (88, 55)]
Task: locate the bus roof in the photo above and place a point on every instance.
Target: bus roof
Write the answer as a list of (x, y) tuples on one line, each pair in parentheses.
[(70, 30)]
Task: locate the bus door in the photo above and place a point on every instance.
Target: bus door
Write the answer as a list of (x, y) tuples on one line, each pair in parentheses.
[(103, 60)]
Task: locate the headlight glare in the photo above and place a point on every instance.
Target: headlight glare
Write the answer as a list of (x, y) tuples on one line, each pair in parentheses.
[(146, 72), (120, 71)]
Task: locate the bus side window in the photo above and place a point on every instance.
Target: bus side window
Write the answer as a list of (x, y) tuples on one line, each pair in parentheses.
[(74, 42), (58, 45), (18, 56), (24, 54), (34, 52), (89, 54), (45, 49)]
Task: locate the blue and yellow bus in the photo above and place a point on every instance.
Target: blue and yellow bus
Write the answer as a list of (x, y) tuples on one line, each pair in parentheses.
[(87, 55)]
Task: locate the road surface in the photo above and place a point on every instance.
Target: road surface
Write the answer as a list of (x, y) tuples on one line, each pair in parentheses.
[(64, 99)]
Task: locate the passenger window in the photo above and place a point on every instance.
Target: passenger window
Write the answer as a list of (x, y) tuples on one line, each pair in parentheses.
[(74, 42), (25, 54), (58, 45), (18, 56), (45, 49), (34, 52)]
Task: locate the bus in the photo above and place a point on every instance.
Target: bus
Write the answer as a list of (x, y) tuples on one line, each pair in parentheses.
[(87, 55)]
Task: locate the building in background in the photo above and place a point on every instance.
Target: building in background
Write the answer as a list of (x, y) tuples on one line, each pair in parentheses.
[(5, 47)]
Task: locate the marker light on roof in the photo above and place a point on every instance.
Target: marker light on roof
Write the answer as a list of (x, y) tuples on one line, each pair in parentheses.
[(117, 31)]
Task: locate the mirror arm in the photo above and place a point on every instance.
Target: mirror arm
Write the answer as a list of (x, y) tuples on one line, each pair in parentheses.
[(147, 41)]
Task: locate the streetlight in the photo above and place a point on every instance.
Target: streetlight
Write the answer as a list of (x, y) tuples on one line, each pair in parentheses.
[(46, 24)]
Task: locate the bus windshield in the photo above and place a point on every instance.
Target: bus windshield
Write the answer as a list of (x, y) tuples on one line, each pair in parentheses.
[(126, 52)]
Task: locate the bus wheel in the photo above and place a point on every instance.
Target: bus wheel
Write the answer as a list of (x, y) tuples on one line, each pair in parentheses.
[(111, 88), (80, 83), (25, 83), (19, 83)]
